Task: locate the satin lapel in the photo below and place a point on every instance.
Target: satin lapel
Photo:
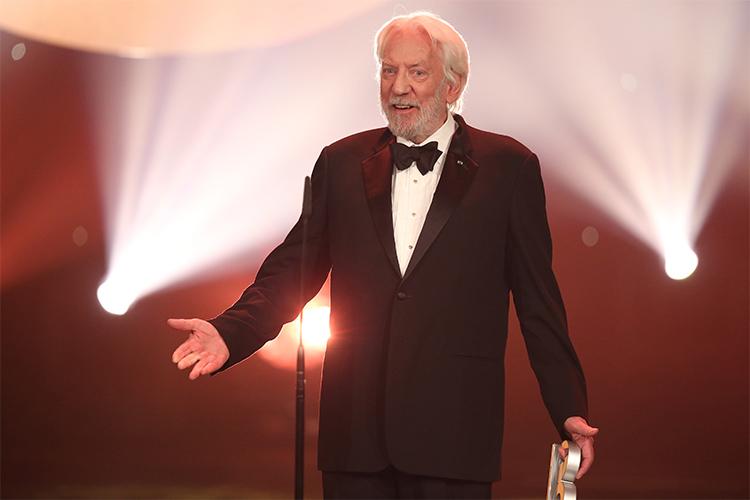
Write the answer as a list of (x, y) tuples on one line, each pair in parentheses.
[(377, 172), (458, 172)]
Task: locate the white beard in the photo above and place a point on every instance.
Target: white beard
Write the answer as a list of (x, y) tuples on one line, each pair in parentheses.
[(419, 127)]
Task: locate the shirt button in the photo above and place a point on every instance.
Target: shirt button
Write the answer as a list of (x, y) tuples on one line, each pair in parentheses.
[(415, 181), (414, 214), (411, 247)]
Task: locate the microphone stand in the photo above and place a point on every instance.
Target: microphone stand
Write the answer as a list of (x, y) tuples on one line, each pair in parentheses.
[(299, 442)]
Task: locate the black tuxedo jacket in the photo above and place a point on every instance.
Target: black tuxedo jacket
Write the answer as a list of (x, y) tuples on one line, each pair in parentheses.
[(414, 371)]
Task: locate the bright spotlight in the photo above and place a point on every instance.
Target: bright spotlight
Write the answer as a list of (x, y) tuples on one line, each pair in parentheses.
[(680, 261), (316, 328), (114, 299), (281, 352)]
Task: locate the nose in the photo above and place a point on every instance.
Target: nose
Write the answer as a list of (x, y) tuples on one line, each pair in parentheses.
[(401, 85)]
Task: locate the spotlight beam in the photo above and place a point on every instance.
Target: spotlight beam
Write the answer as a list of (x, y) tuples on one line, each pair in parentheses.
[(629, 108)]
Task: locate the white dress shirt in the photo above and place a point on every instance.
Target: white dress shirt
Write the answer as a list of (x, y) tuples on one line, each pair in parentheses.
[(412, 192)]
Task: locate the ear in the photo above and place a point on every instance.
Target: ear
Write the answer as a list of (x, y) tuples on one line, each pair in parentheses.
[(454, 91)]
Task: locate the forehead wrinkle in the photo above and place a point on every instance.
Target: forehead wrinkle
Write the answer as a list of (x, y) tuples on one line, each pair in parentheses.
[(420, 62)]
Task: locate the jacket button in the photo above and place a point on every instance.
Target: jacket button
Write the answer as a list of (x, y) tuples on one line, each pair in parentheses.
[(401, 295)]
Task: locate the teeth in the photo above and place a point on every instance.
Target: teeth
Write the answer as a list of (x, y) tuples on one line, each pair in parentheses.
[(402, 106)]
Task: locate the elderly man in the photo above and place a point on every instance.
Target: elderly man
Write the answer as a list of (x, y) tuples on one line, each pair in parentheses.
[(426, 227)]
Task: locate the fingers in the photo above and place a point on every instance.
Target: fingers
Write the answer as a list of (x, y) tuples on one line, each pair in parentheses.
[(188, 360), (587, 456), (579, 425), (183, 350), (588, 431), (583, 435), (203, 363), (203, 367), (185, 325), (201, 349), (196, 371)]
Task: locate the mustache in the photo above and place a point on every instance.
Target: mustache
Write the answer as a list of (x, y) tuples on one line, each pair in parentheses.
[(401, 102)]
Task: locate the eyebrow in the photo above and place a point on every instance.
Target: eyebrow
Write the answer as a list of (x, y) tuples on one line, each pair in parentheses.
[(420, 63)]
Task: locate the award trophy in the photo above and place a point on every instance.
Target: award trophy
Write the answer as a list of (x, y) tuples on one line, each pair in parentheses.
[(562, 473)]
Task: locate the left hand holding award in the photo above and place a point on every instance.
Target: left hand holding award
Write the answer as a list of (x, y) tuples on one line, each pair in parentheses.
[(573, 457), (582, 434)]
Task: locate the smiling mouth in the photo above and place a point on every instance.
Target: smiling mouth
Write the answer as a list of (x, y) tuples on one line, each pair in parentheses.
[(403, 107)]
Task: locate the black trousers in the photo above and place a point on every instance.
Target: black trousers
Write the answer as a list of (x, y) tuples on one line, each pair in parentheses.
[(391, 483)]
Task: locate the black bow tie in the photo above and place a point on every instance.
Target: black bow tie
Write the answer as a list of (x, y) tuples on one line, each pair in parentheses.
[(425, 156)]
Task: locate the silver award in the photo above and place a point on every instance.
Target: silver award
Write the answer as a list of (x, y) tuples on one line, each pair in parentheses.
[(562, 473)]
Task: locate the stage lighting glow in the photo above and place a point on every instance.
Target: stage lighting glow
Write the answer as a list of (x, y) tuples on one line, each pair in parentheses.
[(138, 28), (18, 51), (628, 82), (315, 328), (115, 298), (282, 351), (80, 236), (590, 236), (648, 128), (680, 261), (202, 158)]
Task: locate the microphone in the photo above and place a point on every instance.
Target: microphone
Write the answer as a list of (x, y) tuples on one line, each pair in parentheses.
[(299, 445), (307, 199)]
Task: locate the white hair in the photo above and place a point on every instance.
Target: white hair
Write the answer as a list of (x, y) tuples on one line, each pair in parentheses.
[(449, 43)]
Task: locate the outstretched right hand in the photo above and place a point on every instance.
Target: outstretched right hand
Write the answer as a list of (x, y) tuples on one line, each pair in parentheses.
[(204, 348)]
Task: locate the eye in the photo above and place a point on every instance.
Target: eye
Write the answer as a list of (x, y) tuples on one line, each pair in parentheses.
[(387, 70), (419, 73)]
